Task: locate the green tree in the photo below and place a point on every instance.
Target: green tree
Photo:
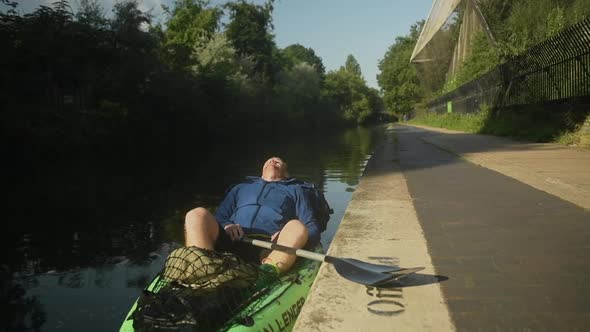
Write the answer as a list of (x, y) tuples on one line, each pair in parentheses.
[(578, 11), (128, 18), (349, 95), (518, 25), (397, 77), (135, 50), (191, 25), (249, 32), (217, 55), (90, 13), (375, 101), (352, 66), (218, 60), (297, 53), (298, 93), (9, 3), (48, 51)]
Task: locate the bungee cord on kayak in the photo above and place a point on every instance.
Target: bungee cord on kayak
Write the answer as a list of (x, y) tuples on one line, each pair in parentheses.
[(201, 289)]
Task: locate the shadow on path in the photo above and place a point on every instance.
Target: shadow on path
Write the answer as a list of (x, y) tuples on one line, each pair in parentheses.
[(416, 279), (518, 256)]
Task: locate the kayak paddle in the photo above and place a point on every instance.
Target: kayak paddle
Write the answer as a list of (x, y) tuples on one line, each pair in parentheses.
[(352, 269)]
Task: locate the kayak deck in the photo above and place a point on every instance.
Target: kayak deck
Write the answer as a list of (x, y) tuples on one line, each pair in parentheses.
[(275, 308)]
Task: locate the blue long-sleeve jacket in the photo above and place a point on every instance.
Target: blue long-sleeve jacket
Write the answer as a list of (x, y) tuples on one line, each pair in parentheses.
[(263, 207)]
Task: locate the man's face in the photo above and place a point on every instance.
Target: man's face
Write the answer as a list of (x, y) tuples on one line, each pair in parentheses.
[(275, 168)]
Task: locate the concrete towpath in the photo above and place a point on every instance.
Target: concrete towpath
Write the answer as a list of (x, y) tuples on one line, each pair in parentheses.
[(505, 245), (379, 226), (559, 170)]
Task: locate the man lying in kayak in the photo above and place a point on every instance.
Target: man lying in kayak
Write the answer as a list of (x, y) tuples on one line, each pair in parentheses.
[(274, 205)]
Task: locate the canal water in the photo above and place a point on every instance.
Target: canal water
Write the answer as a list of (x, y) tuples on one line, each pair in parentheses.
[(87, 236)]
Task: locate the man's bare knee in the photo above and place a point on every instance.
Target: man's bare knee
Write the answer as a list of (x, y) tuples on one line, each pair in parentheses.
[(296, 227), (200, 228), (197, 217), (197, 213)]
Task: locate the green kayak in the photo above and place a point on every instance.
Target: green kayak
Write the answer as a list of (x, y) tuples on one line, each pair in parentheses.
[(275, 309)]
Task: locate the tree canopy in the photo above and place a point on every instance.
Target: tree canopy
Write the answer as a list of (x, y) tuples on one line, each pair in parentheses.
[(84, 80), (352, 66), (350, 94), (191, 25), (296, 54), (397, 77), (249, 32)]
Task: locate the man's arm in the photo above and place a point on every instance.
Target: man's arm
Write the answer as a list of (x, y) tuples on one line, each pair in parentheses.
[(305, 214)]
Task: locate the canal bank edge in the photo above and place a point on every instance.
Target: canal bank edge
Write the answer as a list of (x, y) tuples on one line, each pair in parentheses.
[(380, 225)]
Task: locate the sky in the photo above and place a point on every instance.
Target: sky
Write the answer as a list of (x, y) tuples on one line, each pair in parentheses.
[(332, 28)]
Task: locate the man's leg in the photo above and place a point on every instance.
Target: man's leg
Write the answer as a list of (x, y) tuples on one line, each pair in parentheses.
[(294, 234), (200, 229)]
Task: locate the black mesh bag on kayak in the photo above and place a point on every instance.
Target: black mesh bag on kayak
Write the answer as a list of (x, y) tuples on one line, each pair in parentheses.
[(200, 290)]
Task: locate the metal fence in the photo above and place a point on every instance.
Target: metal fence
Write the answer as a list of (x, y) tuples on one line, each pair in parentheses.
[(556, 69)]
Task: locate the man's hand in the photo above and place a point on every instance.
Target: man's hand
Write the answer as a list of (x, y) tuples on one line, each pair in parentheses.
[(234, 231)]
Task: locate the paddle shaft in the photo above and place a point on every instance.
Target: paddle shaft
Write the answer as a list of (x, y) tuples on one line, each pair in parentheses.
[(292, 251), (352, 269)]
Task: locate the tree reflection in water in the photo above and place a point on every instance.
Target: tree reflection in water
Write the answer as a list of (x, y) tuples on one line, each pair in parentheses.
[(20, 312)]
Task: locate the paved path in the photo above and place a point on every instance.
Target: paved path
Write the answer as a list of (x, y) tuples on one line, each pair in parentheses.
[(503, 228), (559, 170), (517, 258), (380, 226)]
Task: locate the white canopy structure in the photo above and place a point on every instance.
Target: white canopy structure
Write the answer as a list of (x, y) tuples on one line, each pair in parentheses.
[(439, 14), (472, 23)]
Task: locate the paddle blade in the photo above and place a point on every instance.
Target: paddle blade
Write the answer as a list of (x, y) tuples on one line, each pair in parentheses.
[(372, 267), (405, 272), (358, 274)]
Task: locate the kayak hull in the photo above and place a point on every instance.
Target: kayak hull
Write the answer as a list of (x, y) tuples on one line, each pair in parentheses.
[(277, 310)]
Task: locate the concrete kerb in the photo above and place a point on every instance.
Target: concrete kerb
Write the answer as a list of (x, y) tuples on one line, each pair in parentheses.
[(380, 225)]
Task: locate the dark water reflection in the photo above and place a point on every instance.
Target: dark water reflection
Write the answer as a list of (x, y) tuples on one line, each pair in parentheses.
[(88, 236)]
